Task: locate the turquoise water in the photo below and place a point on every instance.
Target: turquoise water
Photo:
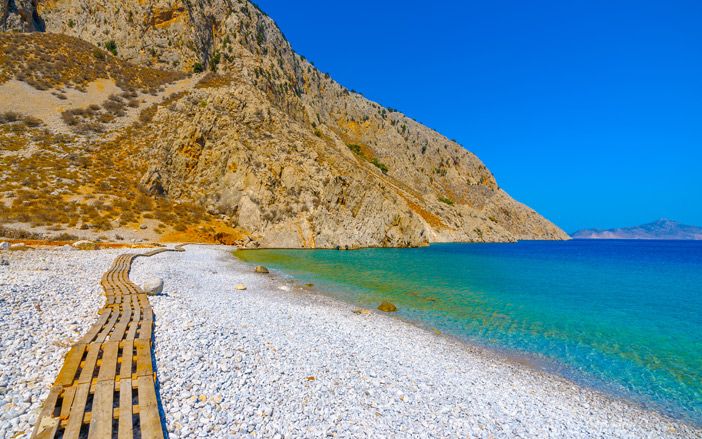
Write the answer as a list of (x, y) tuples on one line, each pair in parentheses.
[(622, 316)]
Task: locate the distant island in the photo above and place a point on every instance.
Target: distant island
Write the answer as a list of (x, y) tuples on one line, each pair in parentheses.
[(661, 229)]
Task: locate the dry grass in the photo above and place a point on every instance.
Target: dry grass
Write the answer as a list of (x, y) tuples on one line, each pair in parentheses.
[(212, 80), (65, 183), (53, 61)]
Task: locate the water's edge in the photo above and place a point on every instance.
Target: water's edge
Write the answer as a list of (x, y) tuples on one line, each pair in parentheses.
[(548, 367)]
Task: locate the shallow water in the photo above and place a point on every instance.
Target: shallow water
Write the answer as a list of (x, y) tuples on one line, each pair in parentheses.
[(622, 316)]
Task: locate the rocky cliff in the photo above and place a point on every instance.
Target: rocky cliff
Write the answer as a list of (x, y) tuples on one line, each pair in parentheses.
[(270, 145)]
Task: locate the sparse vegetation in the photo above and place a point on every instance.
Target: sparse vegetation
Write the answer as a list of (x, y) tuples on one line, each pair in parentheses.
[(446, 200), (355, 148), (212, 80), (383, 168), (53, 61)]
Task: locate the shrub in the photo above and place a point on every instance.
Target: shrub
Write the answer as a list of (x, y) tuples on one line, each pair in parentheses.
[(355, 148), (214, 62), (446, 200), (380, 165), (198, 68), (111, 47)]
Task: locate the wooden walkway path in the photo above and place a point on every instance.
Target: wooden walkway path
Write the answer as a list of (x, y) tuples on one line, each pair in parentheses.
[(106, 387)]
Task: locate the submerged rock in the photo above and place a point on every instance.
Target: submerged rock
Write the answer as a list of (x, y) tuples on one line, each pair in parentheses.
[(261, 269), (153, 287), (387, 307)]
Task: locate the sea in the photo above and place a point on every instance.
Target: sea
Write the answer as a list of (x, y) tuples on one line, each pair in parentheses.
[(621, 316)]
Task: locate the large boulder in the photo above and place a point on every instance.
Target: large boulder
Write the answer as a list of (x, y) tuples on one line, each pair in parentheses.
[(153, 287), (261, 269), (4, 246)]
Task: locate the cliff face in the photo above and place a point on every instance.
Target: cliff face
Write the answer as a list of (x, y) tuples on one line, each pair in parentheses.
[(278, 149)]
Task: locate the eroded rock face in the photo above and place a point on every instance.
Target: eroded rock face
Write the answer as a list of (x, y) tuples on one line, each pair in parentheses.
[(280, 149), (20, 15)]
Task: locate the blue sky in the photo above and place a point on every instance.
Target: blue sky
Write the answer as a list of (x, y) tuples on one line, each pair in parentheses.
[(588, 111)]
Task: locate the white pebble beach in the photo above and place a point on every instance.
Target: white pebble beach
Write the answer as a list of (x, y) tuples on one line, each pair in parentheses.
[(276, 360)]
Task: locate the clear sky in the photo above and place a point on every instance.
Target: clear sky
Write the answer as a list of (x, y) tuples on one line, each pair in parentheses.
[(589, 111)]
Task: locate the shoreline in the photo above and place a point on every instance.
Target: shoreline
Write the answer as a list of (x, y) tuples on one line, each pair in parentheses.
[(290, 362), (547, 367)]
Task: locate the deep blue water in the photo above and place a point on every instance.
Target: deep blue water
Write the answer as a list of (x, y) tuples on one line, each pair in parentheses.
[(622, 316)]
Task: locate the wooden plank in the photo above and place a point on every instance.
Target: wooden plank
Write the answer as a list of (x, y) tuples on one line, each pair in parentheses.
[(70, 365), (149, 417), (68, 395), (92, 332), (121, 327), (47, 424), (75, 418), (108, 368), (102, 335), (101, 413), (125, 370), (124, 429), (143, 361), (147, 327), (86, 375)]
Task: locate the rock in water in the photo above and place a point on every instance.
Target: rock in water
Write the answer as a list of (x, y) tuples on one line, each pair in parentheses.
[(153, 287), (387, 307), (85, 245), (4, 245), (261, 269), (240, 287)]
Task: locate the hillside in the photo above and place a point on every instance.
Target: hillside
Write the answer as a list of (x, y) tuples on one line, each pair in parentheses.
[(661, 229), (263, 149)]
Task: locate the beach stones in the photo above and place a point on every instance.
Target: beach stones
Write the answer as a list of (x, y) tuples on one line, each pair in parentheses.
[(240, 287), (153, 287), (387, 307), (261, 269), (4, 245)]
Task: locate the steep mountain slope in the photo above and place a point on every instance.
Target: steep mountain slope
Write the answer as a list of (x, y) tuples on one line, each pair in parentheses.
[(660, 229), (276, 148)]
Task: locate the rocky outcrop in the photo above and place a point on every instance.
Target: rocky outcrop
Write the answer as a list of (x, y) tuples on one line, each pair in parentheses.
[(20, 15), (277, 148)]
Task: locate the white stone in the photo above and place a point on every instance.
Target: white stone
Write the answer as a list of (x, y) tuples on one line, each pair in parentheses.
[(4, 245), (153, 286)]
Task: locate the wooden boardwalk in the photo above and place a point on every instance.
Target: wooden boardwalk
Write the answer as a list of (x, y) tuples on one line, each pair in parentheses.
[(106, 387)]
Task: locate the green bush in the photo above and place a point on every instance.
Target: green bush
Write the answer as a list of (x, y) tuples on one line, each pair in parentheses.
[(198, 68), (380, 165), (214, 62), (355, 148), (446, 200), (111, 47)]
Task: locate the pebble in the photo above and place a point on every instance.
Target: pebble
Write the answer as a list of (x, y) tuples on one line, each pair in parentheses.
[(236, 365)]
